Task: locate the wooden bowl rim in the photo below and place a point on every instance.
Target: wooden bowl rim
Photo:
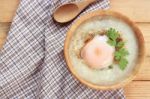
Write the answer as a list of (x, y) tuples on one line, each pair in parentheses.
[(137, 33)]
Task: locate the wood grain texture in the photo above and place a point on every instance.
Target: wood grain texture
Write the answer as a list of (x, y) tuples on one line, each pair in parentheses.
[(144, 73), (138, 90), (4, 28), (8, 9), (137, 10)]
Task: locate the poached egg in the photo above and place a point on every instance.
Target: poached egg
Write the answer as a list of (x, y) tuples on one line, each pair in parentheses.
[(97, 53)]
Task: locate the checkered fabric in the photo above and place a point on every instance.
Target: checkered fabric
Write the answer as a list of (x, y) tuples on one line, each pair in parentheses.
[(32, 63)]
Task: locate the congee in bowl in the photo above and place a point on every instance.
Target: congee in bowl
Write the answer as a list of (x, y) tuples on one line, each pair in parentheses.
[(104, 50)]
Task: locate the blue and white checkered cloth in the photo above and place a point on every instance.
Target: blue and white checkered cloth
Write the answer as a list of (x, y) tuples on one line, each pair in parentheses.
[(32, 64)]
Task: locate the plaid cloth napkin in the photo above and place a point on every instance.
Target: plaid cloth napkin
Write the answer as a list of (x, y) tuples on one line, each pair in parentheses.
[(32, 64)]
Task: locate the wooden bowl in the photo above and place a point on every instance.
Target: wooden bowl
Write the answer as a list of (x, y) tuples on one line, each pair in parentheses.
[(138, 35)]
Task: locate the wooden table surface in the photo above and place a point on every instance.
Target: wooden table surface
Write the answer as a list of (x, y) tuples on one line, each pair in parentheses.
[(137, 10)]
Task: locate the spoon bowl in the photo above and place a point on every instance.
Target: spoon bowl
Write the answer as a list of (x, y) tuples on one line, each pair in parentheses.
[(69, 11), (66, 12)]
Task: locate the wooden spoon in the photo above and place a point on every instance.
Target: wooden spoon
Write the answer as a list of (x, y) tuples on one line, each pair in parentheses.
[(69, 11)]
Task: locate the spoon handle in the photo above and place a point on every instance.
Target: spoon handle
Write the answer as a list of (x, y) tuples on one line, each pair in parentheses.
[(83, 4), (90, 1)]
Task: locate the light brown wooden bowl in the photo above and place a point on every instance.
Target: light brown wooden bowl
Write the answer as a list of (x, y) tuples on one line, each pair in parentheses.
[(140, 41)]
